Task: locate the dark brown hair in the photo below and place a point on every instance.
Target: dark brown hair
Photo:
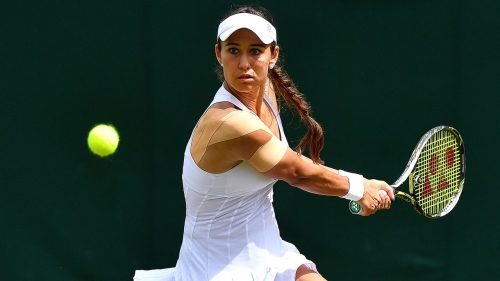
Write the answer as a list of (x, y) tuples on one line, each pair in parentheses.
[(287, 91)]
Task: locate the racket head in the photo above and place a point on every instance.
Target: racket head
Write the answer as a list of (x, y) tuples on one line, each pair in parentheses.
[(437, 176)]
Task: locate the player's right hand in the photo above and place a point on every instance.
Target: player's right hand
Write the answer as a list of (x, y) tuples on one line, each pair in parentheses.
[(373, 200)]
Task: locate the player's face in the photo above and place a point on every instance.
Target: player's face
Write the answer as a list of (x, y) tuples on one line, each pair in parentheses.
[(246, 60)]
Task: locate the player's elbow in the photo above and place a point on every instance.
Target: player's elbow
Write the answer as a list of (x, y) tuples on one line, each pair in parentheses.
[(293, 181), (292, 176), (296, 178), (293, 170)]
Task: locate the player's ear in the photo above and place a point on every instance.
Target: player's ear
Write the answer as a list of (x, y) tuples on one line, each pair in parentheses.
[(274, 56), (217, 53)]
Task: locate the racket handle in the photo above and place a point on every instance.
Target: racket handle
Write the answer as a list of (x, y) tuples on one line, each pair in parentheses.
[(355, 207)]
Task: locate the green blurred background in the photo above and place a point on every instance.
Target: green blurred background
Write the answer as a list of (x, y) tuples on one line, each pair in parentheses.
[(378, 74)]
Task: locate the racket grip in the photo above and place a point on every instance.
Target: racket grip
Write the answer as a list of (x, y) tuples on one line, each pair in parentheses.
[(355, 207)]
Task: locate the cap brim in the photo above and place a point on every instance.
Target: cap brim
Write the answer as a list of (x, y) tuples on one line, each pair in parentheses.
[(262, 28), (266, 39)]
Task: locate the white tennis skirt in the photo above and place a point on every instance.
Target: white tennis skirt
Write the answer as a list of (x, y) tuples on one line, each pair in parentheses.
[(285, 270)]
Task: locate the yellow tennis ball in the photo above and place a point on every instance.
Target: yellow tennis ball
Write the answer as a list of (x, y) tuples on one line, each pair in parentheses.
[(103, 140)]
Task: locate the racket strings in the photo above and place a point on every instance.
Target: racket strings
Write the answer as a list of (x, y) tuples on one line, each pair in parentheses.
[(439, 170), (433, 199)]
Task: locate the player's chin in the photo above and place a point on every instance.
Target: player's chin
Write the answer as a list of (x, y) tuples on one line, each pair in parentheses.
[(245, 86)]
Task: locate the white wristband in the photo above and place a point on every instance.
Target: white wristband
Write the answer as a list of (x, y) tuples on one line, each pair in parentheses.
[(356, 187)]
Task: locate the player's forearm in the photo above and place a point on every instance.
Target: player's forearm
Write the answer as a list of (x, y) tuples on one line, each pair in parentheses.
[(314, 178), (309, 160), (301, 172), (324, 182)]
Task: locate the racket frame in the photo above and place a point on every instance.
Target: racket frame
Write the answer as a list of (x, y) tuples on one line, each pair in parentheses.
[(355, 207)]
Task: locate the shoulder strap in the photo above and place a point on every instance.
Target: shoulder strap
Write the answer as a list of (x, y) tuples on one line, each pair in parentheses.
[(223, 95), (276, 114)]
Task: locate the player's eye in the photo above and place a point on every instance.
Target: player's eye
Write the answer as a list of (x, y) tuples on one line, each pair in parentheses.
[(256, 52), (233, 51)]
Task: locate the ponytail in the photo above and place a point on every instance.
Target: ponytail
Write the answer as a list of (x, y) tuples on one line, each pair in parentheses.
[(287, 90)]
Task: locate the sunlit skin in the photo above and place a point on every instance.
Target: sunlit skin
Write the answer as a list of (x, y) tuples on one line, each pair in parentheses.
[(246, 62)]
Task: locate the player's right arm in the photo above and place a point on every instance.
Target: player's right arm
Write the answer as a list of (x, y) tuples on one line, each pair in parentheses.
[(301, 172), (243, 137)]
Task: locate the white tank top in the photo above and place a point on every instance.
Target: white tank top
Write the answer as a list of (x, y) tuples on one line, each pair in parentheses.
[(230, 231)]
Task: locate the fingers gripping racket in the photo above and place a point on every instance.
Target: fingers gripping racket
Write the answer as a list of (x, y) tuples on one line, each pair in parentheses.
[(436, 173)]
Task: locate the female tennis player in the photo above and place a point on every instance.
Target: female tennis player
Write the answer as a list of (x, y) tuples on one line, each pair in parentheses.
[(236, 152)]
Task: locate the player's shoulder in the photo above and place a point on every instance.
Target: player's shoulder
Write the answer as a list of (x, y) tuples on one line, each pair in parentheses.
[(221, 115), (244, 121), (232, 121), (244, 116)]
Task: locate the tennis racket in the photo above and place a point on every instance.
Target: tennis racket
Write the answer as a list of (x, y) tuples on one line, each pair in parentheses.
[(436, 173)]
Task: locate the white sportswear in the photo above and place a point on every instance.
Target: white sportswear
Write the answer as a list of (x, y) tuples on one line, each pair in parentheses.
[(230, 231)]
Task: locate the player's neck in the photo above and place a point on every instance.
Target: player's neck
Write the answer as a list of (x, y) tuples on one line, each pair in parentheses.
[(252, 100)]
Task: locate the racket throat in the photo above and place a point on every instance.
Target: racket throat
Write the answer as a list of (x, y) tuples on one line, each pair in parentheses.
[(406, 197)]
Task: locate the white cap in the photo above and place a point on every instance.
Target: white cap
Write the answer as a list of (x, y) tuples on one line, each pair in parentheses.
[(261, 27)]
